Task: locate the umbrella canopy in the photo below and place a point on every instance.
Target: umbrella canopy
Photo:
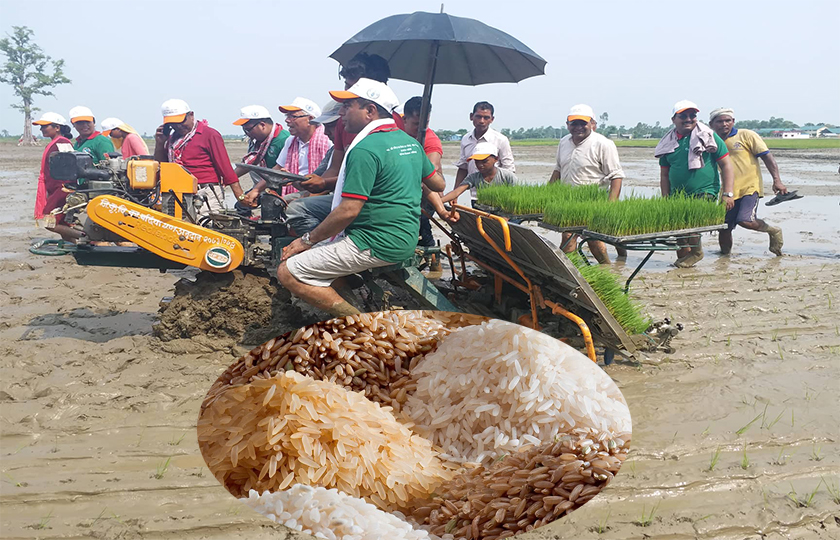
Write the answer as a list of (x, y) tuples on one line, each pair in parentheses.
[(437, 48), (468, 52)]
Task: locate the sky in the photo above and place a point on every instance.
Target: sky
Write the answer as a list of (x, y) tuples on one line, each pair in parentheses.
[(633, 60)]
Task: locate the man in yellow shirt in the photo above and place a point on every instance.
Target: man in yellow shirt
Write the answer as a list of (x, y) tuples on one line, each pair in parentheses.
[(745, 147)]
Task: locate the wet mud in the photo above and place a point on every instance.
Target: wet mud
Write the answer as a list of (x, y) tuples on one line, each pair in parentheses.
[(735, 433)]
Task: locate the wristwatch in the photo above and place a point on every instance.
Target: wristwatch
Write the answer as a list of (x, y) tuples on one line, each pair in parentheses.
[(305, 240), (728, 194)]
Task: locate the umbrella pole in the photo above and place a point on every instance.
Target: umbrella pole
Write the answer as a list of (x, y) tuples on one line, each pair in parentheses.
[(427, 93)]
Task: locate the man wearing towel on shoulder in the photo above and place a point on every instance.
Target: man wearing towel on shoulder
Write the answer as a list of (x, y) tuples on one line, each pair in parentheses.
[(375, 217), (585, 158), (689, 157), (745, 147)]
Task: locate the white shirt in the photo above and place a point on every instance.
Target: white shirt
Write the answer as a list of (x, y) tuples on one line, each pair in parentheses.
[(593, 161), (468, 142), (303, 155)]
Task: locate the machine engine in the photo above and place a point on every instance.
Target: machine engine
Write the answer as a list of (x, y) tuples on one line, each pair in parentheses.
[(166, 187)]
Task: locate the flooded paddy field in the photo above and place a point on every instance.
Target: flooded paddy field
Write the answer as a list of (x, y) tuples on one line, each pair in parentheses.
[(735, 433)]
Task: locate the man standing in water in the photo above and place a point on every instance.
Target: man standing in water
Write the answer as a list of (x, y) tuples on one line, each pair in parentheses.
[(689, 157), (745, 147), (585, 158)]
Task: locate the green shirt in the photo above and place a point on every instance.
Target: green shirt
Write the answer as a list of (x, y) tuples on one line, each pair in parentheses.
[(274, 147), (96, 146), (386, 170), (704, 180)]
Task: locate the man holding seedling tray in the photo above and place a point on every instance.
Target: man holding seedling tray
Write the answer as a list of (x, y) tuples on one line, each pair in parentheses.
[(585, 158), (689, 157)]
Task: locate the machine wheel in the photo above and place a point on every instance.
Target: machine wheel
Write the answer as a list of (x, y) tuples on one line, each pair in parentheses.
[(51, 247)]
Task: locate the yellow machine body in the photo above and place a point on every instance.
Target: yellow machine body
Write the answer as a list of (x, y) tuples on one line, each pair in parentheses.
[(167, 236), (176, 178), (142, 174)]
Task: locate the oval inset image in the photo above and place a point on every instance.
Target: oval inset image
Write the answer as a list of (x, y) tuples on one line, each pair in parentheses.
[(414, 424)]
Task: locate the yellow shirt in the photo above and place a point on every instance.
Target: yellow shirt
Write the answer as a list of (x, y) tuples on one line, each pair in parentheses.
[(745, 147)]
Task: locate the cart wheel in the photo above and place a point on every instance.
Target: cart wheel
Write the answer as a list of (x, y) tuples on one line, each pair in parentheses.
[(609, 356), (50, 247)]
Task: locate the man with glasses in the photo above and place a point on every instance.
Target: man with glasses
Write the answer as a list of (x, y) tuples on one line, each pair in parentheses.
[(200, 150), (306, 146), (265, 142), (585, 158), (482, 117), (689, 157)]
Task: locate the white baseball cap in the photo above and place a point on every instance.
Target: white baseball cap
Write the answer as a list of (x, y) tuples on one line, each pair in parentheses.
[(302, 104), (483, 150), (581, 112), (51, 118), (110, 123), (174, 111), (251, 112), (81, 113), (329, 113), (684, 105), (369, 89)]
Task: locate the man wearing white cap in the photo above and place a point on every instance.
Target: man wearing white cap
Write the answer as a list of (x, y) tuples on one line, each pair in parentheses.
[(584, 158), (484, 156), (308, 144), (265, 142), (689, 157), (89, 140), (745, 147), (125, 138), (199, 149), (376, 203), (305, 213)]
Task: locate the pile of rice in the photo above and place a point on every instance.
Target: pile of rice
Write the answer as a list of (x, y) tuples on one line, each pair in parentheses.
[(371, 353), (291, 429), (331, 514), (524, 490), (491, 388)]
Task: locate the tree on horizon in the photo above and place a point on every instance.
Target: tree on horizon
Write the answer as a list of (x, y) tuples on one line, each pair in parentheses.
[(30, 73)]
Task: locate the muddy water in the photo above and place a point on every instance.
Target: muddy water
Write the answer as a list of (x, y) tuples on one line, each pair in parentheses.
[(98, 416)]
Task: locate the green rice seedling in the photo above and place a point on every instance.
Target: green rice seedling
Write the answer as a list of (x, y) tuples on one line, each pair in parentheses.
[(533, 199), (606, 285), (745, 460), (773, 423), (782, 458), (833, 490), (602, 524), (751, 422), (639, 215), (42, 524), (781, 354), (816, 453), (715, 458), (646, 518), (176, 442), (706, 431), (807, 500), (161, 469)]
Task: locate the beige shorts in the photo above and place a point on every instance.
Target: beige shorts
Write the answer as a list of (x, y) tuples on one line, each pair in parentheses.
[(324, 263)]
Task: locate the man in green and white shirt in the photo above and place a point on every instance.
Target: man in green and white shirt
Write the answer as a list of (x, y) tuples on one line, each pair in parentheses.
[(377, 202), (89, 140)]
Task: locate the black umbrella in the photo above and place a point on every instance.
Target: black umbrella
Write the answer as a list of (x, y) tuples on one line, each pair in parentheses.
[(430, 48)]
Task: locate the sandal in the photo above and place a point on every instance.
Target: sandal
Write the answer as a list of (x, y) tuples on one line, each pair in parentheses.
[(780, 198)]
